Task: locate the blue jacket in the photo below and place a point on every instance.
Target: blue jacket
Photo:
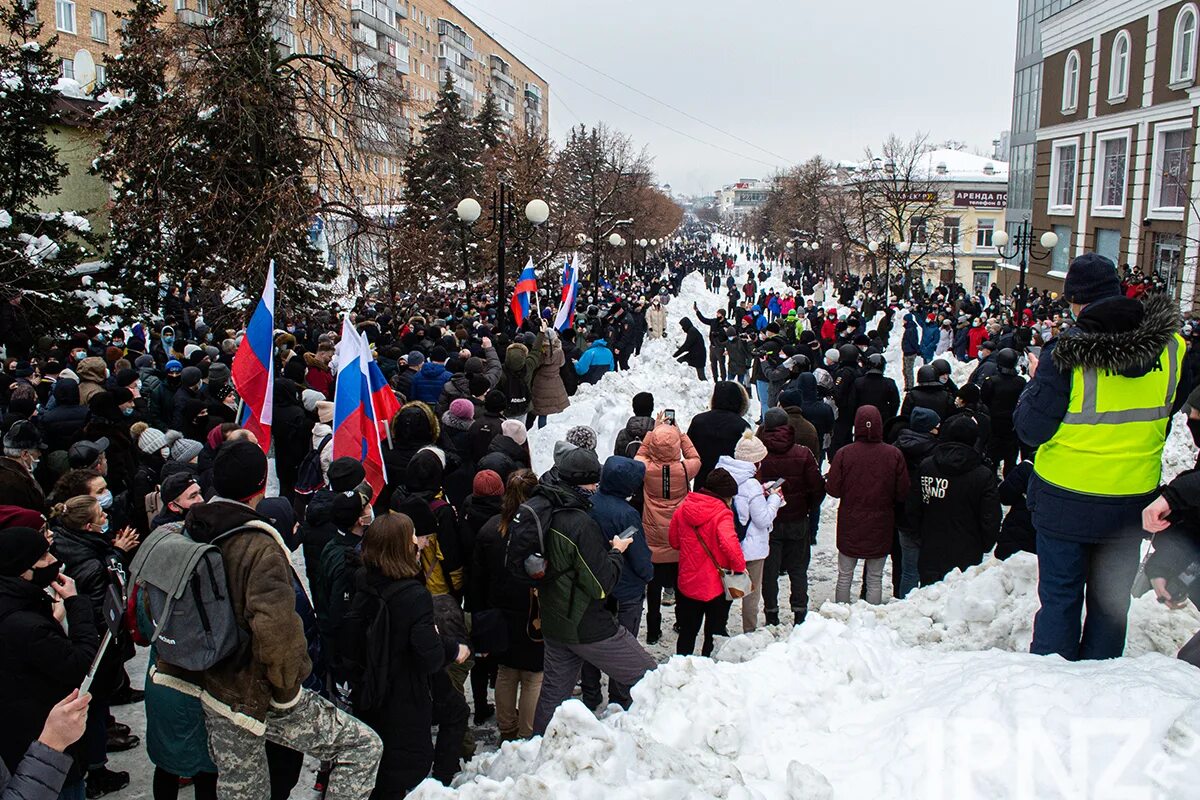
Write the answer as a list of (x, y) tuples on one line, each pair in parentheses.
[(910, 345), (595, 361), (929, 340), (620, 479), (428, 382), (962, 343)]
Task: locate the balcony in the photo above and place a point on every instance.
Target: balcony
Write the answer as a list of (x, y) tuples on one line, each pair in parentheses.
[(501, 77), (462, 75), (448, 30), (195, 19)]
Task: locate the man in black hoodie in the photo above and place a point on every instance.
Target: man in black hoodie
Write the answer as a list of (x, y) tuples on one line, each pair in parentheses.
[(873, 388), (916, 442), (928, 393), (716, 432), (691, 352), (955, 512), (1000, 394)]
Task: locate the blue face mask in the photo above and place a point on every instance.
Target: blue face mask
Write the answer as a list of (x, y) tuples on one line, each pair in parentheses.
[(168, 342), (104, 527), (127, 412), (105, 498)]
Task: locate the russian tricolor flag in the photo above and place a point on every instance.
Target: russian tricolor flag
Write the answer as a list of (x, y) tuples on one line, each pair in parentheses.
[(383, 399), (570, 290), (355, 430), (253, 370), (525, 289)]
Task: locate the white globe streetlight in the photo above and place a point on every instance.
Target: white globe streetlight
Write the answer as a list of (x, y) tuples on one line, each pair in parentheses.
[(903, 247), (654, 242), (873, 246), (468, 210), (614, 239), (1000, 238), (537, 212), (1049, 240)]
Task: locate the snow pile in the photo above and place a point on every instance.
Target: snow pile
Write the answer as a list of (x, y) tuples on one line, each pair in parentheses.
[(993, 606), (856, 713)]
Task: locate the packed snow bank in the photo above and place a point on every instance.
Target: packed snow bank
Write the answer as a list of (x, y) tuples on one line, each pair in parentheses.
[(993, 606), (839, 711)]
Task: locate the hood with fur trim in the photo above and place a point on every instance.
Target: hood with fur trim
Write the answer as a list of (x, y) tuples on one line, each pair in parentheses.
[(1119, 335)]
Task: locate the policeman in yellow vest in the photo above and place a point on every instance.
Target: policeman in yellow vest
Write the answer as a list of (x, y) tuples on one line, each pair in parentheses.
[(1097, 409)]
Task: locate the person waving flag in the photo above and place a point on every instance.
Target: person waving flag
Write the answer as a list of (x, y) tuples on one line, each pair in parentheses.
[(525, 289)]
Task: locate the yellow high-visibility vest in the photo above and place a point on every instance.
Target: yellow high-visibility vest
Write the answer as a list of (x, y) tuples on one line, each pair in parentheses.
[(1111, 440)]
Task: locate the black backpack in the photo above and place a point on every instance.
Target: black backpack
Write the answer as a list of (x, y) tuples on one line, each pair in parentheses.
[(742, 528), (365, 654), (525, 543), (309, 477)]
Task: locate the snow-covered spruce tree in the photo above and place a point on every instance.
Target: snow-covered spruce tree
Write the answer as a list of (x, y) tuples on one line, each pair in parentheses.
[(143, 155), (442, 168), (490, 128), (37, 249)]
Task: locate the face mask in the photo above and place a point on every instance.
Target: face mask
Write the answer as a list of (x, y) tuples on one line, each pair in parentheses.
[(367, 518), (168, 342), (127, 412), (44, 576), (120, 345), (104, 527), (106, 499), (34, 465)]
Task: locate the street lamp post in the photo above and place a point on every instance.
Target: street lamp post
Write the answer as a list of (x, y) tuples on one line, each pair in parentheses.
[(469, 211), (1023, 247)]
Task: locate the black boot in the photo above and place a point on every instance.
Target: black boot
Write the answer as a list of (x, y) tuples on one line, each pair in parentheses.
[(104, 781), (772, 617)]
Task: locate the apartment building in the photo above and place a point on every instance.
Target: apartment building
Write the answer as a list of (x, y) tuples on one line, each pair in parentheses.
[(1115, 157)]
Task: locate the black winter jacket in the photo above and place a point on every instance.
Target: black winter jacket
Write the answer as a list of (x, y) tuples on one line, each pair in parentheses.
[(1017, 533), (691, 352), (715, 433)]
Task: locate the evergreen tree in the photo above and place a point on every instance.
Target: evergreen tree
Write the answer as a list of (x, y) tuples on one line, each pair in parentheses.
[(490, 128), (37, 248), (442, 168)]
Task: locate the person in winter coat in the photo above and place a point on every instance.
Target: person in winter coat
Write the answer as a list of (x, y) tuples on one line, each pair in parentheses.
[(291, 431), (333, 592), (477, 376), (93, 377), (755, 512), (671, 460), (871, 478), (549, 394), (691, 352), (456, 426), (257, 691), (427, 384), (656, 319), (413, 428), (873, 388), (916, 441), (716, 340), (318, 528), (1016, 532), (595, 362), (576, 622), (928, 393), (929, 338), (487, 424), (845, 373), (519, 668), (517, 378), (717, 431), (63, 425), (802, 491), (910, 348), (621, 478), (1000, 394), (955, 512), (40, 775), (40, 662), (945, 339), (637, 426), (975, 337), (416, 652), (703, 533), (738, 350), (791, 402), (1172, 519)]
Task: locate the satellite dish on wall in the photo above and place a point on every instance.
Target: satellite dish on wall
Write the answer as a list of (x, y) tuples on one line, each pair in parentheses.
[(85, 69)]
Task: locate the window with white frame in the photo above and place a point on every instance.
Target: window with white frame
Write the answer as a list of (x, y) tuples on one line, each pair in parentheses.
[(1064, 160), (99, 26), (1070, 96), (1118, 77), (950, 230), (918, 230), (1169, 182), (1183, 53), (1112, 161), (984, 228), (101, 76), (68, 68), (64, 15)]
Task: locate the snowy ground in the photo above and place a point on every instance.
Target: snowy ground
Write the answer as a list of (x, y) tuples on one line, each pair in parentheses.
[(931, 697)]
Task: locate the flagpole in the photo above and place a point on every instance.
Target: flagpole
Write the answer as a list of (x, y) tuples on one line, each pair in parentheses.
[(387, 429)]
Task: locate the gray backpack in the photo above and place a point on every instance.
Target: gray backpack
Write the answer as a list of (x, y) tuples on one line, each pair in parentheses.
[(180, 584)]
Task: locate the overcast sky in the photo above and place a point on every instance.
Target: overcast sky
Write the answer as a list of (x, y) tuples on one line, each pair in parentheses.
[(796, 78)]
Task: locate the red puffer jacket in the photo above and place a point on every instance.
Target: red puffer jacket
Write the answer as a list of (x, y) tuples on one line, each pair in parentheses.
[(671, 463), (704, 516), (871, 478), (803, 485)]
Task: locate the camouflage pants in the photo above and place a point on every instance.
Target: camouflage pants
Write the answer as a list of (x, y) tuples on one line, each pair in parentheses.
[(313, 726)]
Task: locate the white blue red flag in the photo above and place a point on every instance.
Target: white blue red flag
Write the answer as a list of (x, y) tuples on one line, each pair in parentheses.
[(570, 290), (355, 430), (253, 370), (383, 399), (523, 293)]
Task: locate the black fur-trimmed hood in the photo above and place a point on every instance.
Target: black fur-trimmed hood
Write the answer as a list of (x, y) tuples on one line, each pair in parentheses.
[(1132, 352)]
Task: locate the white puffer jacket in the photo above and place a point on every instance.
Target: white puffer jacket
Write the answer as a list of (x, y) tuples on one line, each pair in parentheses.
[(753, 508)]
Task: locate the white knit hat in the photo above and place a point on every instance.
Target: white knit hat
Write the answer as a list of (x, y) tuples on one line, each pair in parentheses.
[(152, 441), (750, 449)]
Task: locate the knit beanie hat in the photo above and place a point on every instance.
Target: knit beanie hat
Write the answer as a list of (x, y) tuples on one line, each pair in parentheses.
[(970, 393), (308, 398), (961, 428), (424, 472), (20, 549), (1091, 277), (152, 441), (750, 449), (17, 517), (281, 513), (582, 436), (190, 377), (218, 373), (462, 408), (643, 404), (775, 418), (345, 473), (185, 450), (415, 359), (324, 411), (924, 420), (721, 483), (239, 470), (515, 430), (832, 355), (792, 397), (478, 385), (576, 466), (487, 483), (495, 401)]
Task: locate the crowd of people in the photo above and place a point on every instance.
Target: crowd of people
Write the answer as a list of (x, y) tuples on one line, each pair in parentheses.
[(134, 511)]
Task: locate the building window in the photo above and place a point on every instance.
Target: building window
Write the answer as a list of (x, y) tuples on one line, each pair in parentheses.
[(1063, 161), (1108, 244), (917, 231), (1183, 56), (1168, 252), (68, 68), (983, 232), (950, 230), (101, 76), (1070, 95), (1118, 78), (64, 15), (1169, 183), (1060, 258), (1111, 168), (99, 26)]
